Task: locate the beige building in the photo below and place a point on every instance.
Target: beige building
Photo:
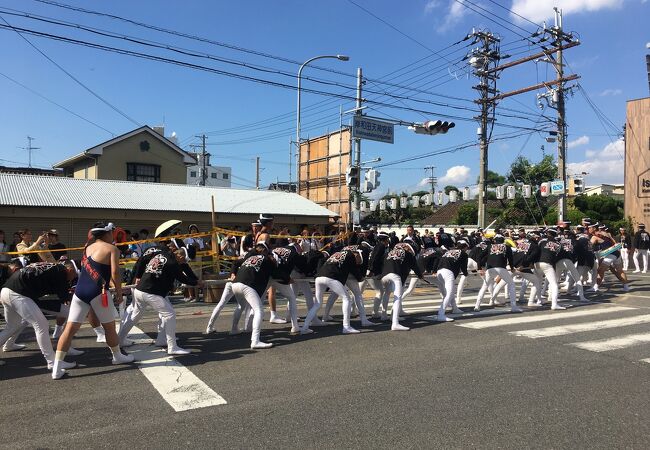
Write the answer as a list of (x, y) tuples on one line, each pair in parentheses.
[(637, 160), (616, 191), (143, 154)]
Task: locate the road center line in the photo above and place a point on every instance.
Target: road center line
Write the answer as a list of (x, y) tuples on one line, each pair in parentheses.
[(177, 385)]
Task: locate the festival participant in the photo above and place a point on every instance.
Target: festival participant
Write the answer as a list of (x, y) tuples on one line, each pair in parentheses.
[(248, 241), (566, 260), (641, 248), (427, 259), (522, 256), (288, 258), (251, 280), (497, 257), (354, 282), (474, 256), (584, 255), (313, 260), (332, 275), (626, 244), (158, 279), (605, 244), (264, 236), (447, 268), (19, 295), (99, 267), (375, 269), (546, 257), (399, 262)]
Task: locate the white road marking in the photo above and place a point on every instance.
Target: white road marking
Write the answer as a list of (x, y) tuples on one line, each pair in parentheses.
[(483, 312), (647, 360), (554, 315), (579, 328), (177, 385), (604, 345)]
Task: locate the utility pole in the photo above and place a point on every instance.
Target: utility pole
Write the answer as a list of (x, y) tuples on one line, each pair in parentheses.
[(482, 59), (257, 172), (357, 154), (203, 163), (432, 180), (561, 122), (29, 149)]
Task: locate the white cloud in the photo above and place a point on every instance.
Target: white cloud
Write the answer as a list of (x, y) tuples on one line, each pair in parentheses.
[(612, 92), (540, 10), (582, 140), (424, 182), (603, 166), (451, 13), (455, 175)]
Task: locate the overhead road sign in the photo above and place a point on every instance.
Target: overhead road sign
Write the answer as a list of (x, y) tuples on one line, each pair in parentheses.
[(372, 129)]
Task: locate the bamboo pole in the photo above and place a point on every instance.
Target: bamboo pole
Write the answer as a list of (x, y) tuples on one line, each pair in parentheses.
[(215, 243)]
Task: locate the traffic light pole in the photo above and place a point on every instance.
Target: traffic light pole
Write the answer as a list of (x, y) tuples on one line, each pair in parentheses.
[(356, 216), (561, 123)]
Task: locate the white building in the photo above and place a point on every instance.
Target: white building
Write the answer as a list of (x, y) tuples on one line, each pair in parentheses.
[(215, 176)]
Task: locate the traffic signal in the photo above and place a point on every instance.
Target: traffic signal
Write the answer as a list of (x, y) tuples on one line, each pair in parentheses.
[(578, 186), (433, 127), (352, 176), (371, 181)]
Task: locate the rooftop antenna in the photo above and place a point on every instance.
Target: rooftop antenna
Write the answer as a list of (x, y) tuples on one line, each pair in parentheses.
[(29, 149)]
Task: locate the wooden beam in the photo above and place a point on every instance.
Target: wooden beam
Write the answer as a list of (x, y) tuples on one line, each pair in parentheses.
[(531, 57), (531, 88)]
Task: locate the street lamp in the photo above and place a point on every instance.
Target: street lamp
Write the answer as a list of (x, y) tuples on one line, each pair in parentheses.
[(340, 58)]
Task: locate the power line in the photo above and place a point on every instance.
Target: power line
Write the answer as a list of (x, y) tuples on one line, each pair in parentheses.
[(79, 82), (55, 103)]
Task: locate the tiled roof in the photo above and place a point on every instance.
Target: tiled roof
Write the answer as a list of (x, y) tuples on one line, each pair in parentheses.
[(47, 191), (446, 214)]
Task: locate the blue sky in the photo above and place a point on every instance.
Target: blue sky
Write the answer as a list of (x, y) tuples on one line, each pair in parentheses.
[(610, 61)]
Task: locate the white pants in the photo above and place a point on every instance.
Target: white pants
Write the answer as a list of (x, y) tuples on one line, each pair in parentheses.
[(547, 271), (79, 309), (303, 286), (535, 288), (322, 284), (446, 280), (488, 285), (625, 255), (572, 275), (354, 286), (472, 266), (250, 295), (226, 295), (18, 308), (644, 256), (375, 283), (165, 310), (506, 276), (584, 272), (287, 292), (393, 283)]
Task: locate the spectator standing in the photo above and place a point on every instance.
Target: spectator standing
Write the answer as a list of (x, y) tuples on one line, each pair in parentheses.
[(144, 235), (4, 247), (192, 293), (56, 248), (16, 241), (26, 245)]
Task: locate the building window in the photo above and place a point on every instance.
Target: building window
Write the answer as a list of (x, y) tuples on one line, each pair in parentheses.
[(225, 176), (143, 172), (193, 174), (214, 175)]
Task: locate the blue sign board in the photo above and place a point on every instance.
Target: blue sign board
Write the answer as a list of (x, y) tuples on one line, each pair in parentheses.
[(375, 130), (557, 187)]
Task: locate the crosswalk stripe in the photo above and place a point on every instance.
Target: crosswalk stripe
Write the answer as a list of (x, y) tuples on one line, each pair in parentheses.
[(604, 345), (647, 360), (177, 385), (542, 317), (579, 328)]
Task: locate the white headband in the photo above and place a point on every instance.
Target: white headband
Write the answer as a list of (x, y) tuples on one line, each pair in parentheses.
[(109, 227)]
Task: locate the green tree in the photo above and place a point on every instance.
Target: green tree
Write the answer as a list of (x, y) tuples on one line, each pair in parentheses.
[(523, 171), (493, 179), (450, 188), (467, 214)]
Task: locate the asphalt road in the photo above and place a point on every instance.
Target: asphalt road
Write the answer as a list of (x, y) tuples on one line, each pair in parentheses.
[(437, 386)]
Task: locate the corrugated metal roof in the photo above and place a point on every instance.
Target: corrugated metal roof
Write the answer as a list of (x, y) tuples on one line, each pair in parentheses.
[(33, 190)]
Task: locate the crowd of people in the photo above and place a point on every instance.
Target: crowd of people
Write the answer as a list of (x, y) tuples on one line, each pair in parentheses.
[(267, 263)]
